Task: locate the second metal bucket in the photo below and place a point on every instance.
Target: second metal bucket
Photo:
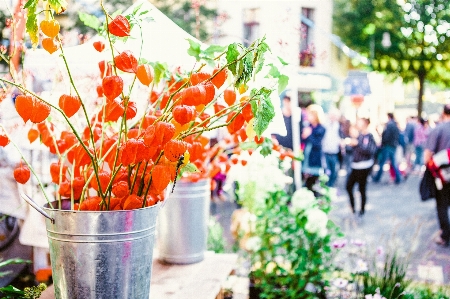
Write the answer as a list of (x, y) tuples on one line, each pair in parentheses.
[(183, 223), (102, 254)]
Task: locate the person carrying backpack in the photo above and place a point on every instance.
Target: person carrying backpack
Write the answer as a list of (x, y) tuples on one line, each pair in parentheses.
[(439, 140), (364, 149)]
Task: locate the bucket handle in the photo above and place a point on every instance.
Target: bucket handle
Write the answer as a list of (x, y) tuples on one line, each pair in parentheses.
[(32, 203)]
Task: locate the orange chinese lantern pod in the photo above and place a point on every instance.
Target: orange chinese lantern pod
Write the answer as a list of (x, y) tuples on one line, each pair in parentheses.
[(164, 101), (133, 133), (196, 151), (114, 202), (219, 110), (126, 62), (22, 174), (120, 189), (91, 204), (229, 96), (259, 140), (69, 104), (49, 45), (144, 74), (236, 123), (203, 117), (220, 78), (128, 152), (104, 178), (105, 69), (112, 87), (148, 120), (210, 92), (197, 78), (119, 26), (243, 88), (183, 114), (33, 134), (99, 45), (133, 202), (99, 91), (152, 200), (193, 96), (50, 27), (247, 111), (131, 110), (4, 140), (113, 110), (31, 109), (243, 162), (234, 159), (167, 130), (174, 149), (160, 177), (56, 172)]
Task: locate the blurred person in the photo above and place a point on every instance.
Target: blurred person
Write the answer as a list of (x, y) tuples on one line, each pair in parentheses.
[(421, 133), (286, 141), (409, 132), (389, 143), (364, 149), (312, 136), (346, 150), (438, 140), (331, 145)]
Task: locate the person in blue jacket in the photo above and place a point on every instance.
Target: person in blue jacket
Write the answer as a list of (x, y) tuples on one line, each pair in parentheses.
[(312, 136)]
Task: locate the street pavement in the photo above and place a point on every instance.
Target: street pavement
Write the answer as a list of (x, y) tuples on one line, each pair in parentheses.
[(395, 218)]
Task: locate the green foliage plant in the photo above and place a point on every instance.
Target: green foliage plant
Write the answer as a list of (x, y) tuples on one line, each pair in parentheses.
[(293, 254)]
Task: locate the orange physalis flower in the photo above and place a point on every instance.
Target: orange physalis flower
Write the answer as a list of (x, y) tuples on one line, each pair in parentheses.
[(22, 174)]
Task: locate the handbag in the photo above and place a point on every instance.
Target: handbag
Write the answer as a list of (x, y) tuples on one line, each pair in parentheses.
[(427, 187)]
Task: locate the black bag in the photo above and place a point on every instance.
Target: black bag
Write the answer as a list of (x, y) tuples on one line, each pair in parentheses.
[(427, 187)]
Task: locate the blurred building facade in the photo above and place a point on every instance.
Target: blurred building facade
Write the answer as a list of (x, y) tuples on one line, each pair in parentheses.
[(301, 33)]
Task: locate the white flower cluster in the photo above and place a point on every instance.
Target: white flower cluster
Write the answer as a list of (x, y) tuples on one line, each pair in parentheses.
[(304, 201)]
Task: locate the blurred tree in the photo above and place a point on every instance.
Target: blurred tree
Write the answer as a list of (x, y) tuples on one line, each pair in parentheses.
[(193, 16), (404, 38)]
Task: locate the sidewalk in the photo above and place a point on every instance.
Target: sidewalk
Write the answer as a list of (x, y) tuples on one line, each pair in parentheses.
[(395, 215)]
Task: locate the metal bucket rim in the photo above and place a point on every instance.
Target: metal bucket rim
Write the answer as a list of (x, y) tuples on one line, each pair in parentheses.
[(47, 208)]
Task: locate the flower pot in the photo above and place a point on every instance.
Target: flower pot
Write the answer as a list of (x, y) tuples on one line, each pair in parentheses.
[(183, 223), (104, 254)]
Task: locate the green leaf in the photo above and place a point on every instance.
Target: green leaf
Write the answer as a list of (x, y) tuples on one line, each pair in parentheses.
[(232, 55), (245, 70), (274, 72), (89, 20), (11, 291), (160, 71), (282, 61), (283, 81), (258, 60), (265, 111), (32, 25), (189, 168), (58, 5), (194, 49), (211, 50), (136, 9), (30, 3)]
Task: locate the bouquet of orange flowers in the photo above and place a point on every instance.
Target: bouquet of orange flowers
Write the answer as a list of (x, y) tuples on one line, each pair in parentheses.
[(124, 157)]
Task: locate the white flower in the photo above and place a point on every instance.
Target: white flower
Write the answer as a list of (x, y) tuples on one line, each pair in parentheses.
[(340, 283), (316, 222), (374, 296), (361, 266), (302, 200), (253, 243)]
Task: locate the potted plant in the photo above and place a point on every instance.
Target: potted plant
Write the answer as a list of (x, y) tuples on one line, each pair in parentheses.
[(115, 158), (289, 245)]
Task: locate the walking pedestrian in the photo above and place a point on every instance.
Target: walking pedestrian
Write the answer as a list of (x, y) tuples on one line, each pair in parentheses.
[(331, 146), (312, 136), (421, 133), (389, 143), (364, 149), (438, 140)]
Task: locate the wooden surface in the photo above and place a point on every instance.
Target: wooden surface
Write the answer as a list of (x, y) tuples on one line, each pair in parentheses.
[(200, 281)]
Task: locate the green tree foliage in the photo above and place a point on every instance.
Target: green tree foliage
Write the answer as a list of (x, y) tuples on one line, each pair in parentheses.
[(197, 22), (419, 32)]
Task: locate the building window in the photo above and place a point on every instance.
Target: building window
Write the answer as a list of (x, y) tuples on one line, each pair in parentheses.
[(251, 25), (307, 50)]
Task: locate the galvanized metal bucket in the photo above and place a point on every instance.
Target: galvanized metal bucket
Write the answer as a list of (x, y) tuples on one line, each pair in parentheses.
[(102, 254), (183, 223)]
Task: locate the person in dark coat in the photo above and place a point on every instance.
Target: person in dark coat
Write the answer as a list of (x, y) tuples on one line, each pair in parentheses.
[(312, 138), (438, 140), (389, 143)]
